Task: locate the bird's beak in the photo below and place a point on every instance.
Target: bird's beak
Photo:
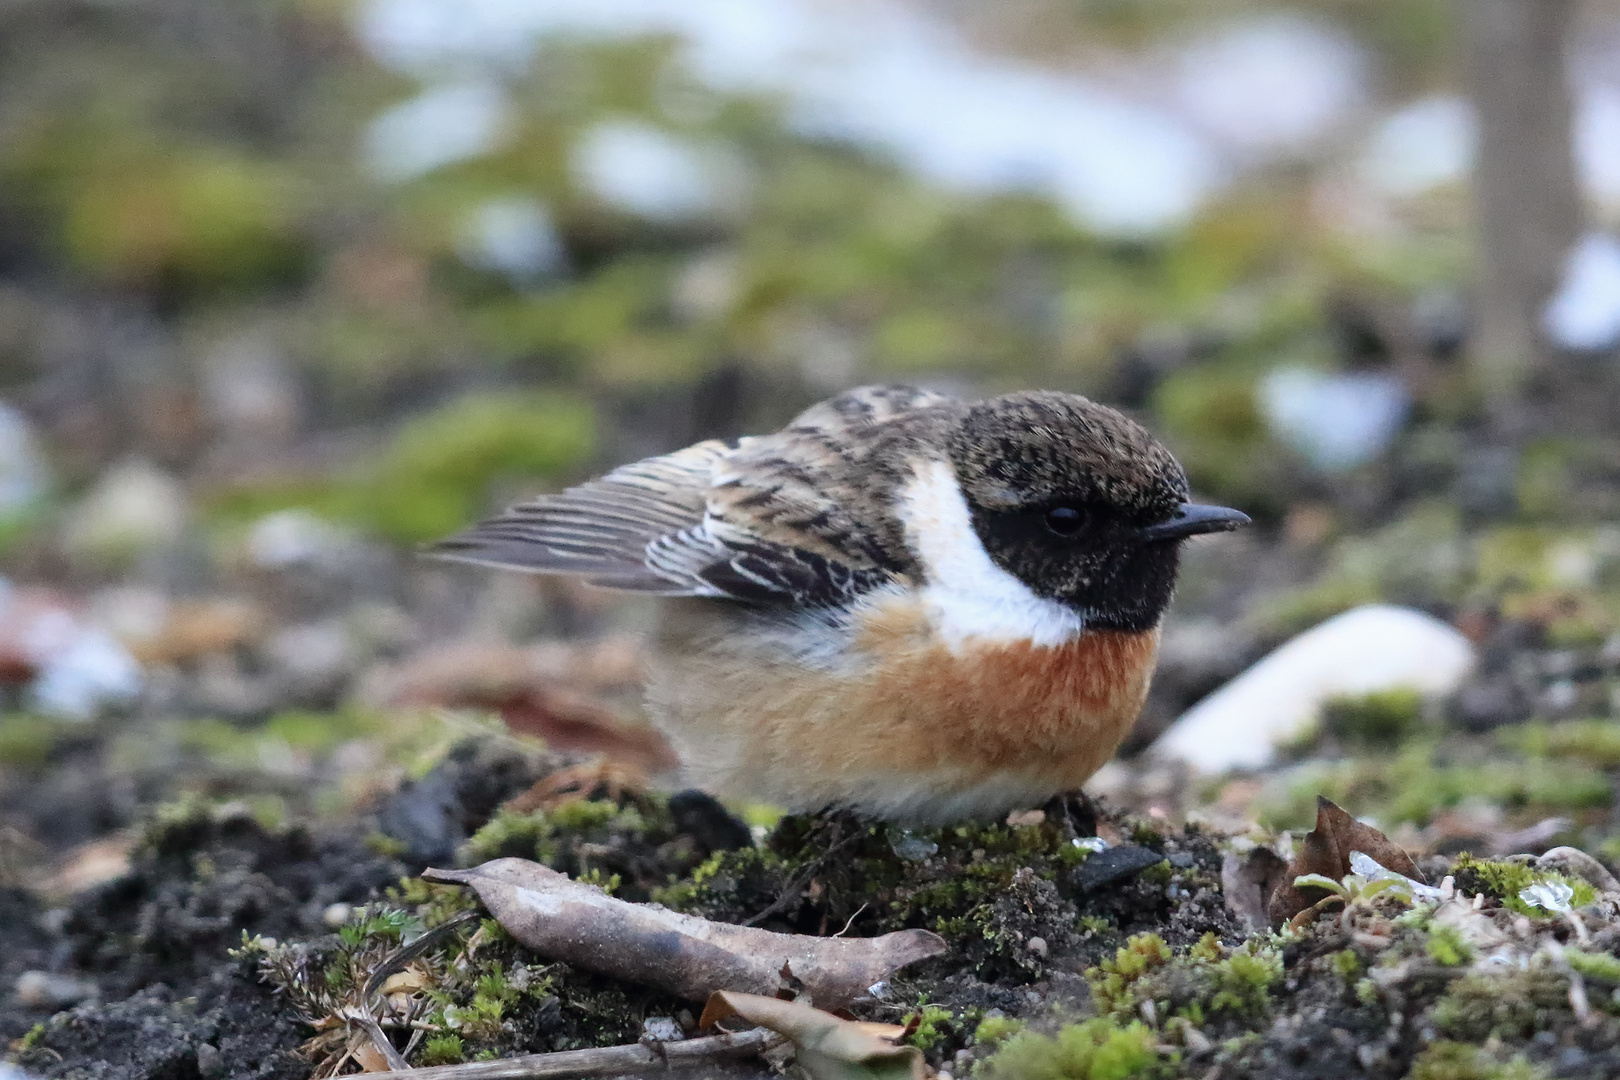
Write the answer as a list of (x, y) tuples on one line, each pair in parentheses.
[(1193, 519)]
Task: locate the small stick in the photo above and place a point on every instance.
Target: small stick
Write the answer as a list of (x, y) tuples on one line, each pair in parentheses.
[(606, 1060)]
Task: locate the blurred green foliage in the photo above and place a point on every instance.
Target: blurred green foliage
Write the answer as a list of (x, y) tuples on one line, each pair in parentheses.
[(441, 469)]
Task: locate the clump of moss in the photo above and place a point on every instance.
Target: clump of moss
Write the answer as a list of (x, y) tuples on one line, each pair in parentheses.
[(1208, 983), (1594, 741), (1602, 967), (1383, 718), (1460, 1061), (440, 469), (1113, 982), (1097, 1049), (604, 842), (442, 1050), (1506, 880), (996, 1026), (1511, 1005), (933, 1026), (1447, 947)]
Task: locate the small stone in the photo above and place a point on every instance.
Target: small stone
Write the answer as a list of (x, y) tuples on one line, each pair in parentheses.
[(1036, 945), (210, 1062), (661, 1029), (1574, 862), (910, 847), (43, 990), (336, 915), (1181, 859), (1104, 868)]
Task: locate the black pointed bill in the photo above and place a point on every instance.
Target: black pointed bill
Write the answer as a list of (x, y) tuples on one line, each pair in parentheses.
[(1194, 519)]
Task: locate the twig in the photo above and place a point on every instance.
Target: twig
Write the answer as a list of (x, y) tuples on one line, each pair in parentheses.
[(608, 1060)]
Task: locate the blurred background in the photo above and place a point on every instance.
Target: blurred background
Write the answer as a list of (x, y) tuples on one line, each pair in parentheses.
[(290, 287)]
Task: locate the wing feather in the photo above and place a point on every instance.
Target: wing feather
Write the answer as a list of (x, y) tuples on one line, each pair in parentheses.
[(770, 520)]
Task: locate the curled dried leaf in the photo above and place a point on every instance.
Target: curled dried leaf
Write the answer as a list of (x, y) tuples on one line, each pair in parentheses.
[(827, 1047), (562, 919), (1326, 851)]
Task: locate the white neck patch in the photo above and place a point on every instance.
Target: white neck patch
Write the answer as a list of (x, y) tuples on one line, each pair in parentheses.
[(968, 595)]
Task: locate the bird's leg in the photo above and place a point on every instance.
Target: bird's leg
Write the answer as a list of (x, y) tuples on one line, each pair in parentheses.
[(1077, 812)]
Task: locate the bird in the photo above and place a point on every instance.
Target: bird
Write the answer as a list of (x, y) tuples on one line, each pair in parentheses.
[(907, 606)]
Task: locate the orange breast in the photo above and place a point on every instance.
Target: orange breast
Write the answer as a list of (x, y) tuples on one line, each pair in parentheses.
[(906, 725), (1062, 708)]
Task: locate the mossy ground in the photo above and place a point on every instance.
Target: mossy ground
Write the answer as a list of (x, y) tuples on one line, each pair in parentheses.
[(1148, 975)]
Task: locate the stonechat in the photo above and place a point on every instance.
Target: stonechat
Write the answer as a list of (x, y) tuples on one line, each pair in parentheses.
[(901, 604)]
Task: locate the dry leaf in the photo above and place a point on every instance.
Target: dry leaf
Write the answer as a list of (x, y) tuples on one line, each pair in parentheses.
[(562, 919), (370, 1058), (1248, 883), (1326, 850), (551, 693), (827, 1048)]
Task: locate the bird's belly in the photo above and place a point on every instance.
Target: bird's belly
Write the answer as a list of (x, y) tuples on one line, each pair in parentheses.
[(916, 730)]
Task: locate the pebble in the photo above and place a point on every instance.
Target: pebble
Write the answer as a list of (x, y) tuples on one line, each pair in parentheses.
[(43, 990), (1576, 863), (336, 915), (210, 1062), (1036, 945), (1371, 648), (1115, 864), (661, 1029)]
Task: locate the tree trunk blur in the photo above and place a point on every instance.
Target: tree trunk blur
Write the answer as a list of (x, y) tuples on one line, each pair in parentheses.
[(1527, 205)]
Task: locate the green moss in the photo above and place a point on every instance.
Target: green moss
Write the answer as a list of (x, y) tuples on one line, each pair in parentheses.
[(1345, 963), (31, 1038), (1604, 967), (1447, 947), (996, 1027), (1510, 1005), (26, 740), (437, 472), (1113, 981), (1460, 1061), (442, 1050), (1594, 741), (1243, 981), (1506, 880), (934, 1025), (1427, 776), (1384, 718), (1095, 1049), (440, 470)]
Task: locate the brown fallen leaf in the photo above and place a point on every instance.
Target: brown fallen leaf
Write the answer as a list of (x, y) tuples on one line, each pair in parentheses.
[(826, 1047), (1248, 882), (550, 692), (1326, 850), (562, 919)]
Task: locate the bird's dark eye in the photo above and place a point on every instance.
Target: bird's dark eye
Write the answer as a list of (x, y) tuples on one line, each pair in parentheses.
[(1066, 520)]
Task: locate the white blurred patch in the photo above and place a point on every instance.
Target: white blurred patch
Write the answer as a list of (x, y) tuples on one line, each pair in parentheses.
[(1272, 85), (513, 236), (1421, 146), (442, 125), (22, 470), (881, 74), (87, 671), (1372, 648), (1336, 420), (1597, 144), (1585, 312), (647, 171)]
